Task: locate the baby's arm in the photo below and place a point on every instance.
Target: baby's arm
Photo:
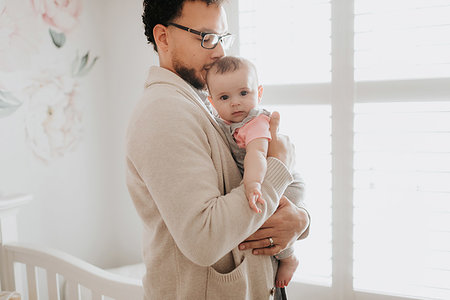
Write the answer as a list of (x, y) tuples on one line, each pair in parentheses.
[(255, 166)]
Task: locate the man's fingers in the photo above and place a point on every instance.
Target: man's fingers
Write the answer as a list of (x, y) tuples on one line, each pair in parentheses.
[(268, 251), (255, 244), (274, 123), (260, 234), (283, 201)]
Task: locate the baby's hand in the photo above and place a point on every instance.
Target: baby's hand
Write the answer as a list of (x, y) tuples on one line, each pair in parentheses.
[(253, 193)]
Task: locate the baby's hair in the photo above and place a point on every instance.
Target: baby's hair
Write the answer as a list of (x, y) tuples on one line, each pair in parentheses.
[(228, 64)]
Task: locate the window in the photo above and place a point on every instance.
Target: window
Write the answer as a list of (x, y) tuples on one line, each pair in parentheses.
[(313, 150), (305, 63), (402, 39), (363, 88), (402, 198), (305, 54), (402, 149)]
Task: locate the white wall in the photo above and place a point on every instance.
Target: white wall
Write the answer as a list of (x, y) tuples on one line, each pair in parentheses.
[(69, 192), (81, 204), (128, 59)]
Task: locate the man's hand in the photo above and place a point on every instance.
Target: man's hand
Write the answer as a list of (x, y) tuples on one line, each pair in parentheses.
[(284, 227), (280, 146)]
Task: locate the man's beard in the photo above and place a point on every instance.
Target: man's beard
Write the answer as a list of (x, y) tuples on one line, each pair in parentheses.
[(189, 76)]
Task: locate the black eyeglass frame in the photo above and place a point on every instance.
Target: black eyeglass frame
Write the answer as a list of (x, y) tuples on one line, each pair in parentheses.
[(202, 34)]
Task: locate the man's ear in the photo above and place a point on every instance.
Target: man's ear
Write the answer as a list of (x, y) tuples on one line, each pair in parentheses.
[(161, 38), (260, 92)]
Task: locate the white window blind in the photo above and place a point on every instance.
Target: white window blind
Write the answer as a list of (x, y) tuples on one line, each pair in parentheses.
[(402, 39), (302, 54), (402, 199), (402, 149), (313, 161), (287, 54), (394, 241)]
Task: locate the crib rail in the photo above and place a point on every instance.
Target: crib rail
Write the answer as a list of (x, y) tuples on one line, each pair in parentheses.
[(76, 273)]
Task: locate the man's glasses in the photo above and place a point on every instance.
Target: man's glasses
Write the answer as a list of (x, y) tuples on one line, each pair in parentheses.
[(210, 40)]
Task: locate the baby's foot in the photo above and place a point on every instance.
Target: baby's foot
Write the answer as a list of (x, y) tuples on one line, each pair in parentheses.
[(286, 270), (253, 193)]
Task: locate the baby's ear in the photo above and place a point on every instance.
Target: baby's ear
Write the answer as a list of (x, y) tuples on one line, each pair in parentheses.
[(260, 92)]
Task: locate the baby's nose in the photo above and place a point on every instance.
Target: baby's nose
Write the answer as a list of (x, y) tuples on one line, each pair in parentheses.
[(234, 102)]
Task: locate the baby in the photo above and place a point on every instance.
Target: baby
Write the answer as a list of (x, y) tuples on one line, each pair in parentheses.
[(234, 93)]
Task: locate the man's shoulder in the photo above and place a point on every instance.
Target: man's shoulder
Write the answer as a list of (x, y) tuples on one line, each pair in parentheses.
[(163, 108), (165, 96)]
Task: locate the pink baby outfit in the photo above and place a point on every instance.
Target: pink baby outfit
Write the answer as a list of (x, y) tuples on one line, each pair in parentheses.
[(255, 125), (258, 127)]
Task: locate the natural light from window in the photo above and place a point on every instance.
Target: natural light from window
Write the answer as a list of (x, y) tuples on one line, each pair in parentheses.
[(402, 39), (303, 55), (402, 198), (313, 150), (401, 138)]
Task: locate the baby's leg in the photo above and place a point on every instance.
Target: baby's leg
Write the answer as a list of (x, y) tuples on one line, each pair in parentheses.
[(286, 270)]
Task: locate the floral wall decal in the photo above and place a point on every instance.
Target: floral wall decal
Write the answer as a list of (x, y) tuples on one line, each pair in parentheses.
[(8, 103), (53, 119), (40, 75), (61, 15), (17, 45)]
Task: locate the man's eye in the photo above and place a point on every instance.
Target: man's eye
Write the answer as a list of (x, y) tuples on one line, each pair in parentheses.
[(224, 97), (244, 93)]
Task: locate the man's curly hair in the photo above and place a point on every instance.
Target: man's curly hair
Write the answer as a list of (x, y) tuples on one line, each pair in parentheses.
[(163, 12)]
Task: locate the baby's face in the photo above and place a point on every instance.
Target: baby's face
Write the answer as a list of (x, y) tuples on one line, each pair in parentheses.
[(234, 94)]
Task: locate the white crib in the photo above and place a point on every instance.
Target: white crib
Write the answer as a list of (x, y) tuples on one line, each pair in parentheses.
[(23, 266)]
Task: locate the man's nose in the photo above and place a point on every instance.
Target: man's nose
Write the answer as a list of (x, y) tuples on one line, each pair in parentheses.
[(218, 51)]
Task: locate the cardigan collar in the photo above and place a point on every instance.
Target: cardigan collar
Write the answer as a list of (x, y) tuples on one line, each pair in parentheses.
[(159, 75)]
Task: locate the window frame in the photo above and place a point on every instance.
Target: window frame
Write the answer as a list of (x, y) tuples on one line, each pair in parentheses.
[(342, 93)]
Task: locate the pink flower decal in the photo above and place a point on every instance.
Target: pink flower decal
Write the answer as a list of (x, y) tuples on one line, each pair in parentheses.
[(19, 39), (53, 121), (61, 15)]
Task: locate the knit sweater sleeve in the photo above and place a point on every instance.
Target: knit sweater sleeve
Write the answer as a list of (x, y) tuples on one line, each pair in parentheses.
[(169, 148), (295, 192)]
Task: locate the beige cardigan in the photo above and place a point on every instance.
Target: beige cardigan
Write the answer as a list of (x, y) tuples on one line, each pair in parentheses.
[(187, 190)]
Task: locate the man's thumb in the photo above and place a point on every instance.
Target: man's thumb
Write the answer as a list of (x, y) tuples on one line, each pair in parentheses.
[(274, 123)]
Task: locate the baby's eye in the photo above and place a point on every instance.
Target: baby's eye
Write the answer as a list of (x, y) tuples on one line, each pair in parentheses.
[(244, 93), (224, 97)]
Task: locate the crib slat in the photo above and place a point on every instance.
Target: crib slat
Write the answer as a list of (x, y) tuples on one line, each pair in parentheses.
[(56, 262), (97, 296), (31, 279), (52, 285), (7, 270), (73, 290)]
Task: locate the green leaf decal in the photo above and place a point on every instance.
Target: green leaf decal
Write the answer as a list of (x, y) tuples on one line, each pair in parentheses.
[(86, 70), (8, 103), (83, 63), (58, 38)]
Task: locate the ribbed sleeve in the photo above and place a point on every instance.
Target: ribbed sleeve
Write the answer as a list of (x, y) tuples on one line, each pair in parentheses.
[(278, 175)]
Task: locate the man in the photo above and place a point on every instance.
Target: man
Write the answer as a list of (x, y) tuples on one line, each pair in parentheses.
[(183, 179)]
